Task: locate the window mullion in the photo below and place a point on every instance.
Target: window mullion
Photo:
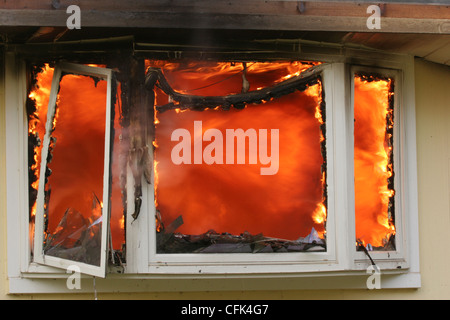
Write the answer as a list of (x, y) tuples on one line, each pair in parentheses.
[(337, 93)]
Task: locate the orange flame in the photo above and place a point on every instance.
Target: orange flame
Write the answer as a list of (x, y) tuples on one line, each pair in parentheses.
[(84, 107), (36, 125), (372, 161), (236, 198), (77, 162)]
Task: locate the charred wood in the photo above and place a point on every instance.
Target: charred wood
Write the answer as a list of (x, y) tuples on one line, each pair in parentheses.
[(139, 159), (167, 233), (213, 242), (181, 101)]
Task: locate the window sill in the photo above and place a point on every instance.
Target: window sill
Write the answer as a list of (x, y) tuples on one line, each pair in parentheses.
[(32, 283)]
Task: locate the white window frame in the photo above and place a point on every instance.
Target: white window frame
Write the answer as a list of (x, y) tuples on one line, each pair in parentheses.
[(39, 255), (262, 262), (389, 259), (343, 262)]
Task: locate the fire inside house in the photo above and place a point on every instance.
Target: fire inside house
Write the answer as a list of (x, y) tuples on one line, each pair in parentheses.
[(243, 175), (373, 160), (239, 196)]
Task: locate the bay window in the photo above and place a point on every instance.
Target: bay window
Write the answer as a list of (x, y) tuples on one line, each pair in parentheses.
[(195, 168)]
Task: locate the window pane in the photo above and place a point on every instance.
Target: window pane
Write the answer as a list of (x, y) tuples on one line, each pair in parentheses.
[(213, 196), (373, 156), (74, 187)]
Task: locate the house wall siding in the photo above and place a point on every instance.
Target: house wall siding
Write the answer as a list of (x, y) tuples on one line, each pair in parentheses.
[(433, 138), (3, 253)]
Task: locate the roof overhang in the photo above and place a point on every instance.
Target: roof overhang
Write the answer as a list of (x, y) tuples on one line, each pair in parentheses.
[(419, 28)]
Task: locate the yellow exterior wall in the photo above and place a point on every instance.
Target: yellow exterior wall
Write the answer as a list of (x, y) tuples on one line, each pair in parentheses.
[(3, 262), (433, 138)]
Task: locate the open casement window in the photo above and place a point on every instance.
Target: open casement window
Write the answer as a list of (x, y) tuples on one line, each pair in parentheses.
[(72, 207)]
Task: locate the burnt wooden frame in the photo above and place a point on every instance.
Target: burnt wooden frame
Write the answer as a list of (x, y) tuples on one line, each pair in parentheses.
[(238, 101)]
